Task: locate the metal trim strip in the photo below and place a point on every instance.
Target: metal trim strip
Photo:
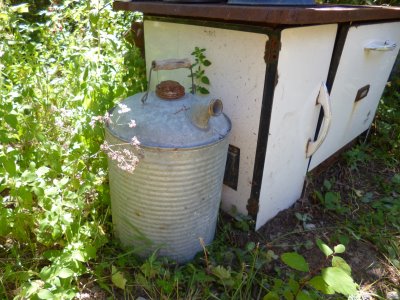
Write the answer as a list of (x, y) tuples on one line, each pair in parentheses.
[(271, 78), (206, 23), (284, 15)]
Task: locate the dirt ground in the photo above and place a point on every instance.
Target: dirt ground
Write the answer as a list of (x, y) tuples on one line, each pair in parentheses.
[(285, 232)]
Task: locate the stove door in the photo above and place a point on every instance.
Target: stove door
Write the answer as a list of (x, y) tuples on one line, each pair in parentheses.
[(303, 66), (364, 67)]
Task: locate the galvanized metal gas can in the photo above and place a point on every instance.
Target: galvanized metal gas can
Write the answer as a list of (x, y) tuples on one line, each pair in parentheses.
[(171, 200)]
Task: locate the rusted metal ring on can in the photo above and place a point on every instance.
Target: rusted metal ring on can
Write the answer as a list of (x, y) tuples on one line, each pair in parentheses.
[(170, 90)]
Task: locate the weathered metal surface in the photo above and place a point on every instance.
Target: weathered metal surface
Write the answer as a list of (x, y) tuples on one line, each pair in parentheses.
[(168, 124), (318, 14), (170, 201), (272, 47), (171, 64), (172, 198), (273, 2)]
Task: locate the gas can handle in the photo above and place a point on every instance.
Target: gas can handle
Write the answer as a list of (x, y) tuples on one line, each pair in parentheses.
[(324, 100), (169, 64)]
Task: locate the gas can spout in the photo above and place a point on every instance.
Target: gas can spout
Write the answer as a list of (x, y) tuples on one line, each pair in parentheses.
[(202, 110)]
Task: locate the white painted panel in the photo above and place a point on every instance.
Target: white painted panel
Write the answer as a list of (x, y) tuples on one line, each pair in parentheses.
[(237, 77), (358, 68), (303, 65)]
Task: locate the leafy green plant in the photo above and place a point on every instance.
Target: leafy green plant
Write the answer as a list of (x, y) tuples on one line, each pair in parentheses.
[(357, 155), (61, 65), (201, 62), (304, 218), (330, 200), (323, 279)]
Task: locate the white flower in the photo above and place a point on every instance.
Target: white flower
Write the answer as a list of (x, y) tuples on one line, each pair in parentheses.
[(123, 108), (132, 124), (95, 120), (135, 142), (107, 118), (104, 146)]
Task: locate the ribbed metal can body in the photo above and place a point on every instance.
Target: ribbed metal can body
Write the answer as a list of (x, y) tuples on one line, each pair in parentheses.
[(170, 201)]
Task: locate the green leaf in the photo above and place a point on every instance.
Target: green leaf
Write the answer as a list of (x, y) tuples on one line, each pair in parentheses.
[(206, 63), (339, 280), (29, 176), (5, 17), (5, 227), (341, 263), (79, 256), (367, 198), (271, 296), (166, 286), (324, 248), (118, 278), (396, 179), (294, 285), (250, 246), (288, 295), (331, 198), (65, 273), (42, 171), (90, 251), (295, 261), (221, 272), (224, 275), (327, 184), (202, 90), (303, 296), (9, 165), (318, 283), (26, 198), (11, 120), (344, 239), (339, 248), (205, 80), (45, 294)]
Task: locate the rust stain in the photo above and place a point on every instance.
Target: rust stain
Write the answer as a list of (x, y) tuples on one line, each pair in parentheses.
[(252, 207), (272, 47)]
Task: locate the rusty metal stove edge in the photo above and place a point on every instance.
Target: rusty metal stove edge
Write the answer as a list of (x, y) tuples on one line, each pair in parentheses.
[(215, 24), (263, 15), (271, 57)]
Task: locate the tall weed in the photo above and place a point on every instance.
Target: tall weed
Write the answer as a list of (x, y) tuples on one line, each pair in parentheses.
[(60, 66)]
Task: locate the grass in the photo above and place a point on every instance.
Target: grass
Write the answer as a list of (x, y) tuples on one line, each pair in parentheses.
[(63, 63)]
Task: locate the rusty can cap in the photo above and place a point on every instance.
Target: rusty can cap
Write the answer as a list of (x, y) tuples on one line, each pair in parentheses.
[(170, 90)]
